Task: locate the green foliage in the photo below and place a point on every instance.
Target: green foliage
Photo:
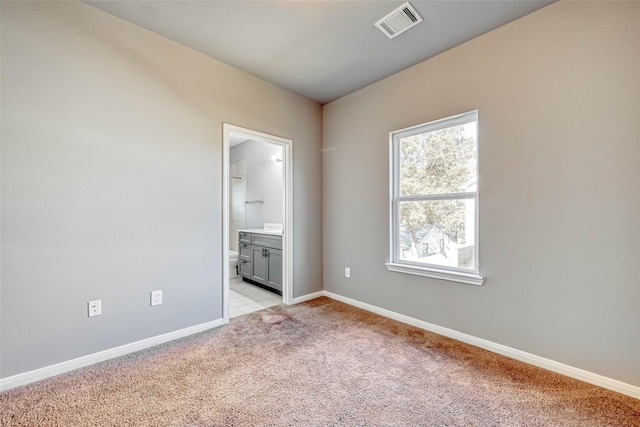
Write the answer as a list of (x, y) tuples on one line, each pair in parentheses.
[(438, 162)]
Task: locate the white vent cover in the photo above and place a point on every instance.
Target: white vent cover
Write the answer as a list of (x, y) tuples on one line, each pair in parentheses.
[(399, 21)]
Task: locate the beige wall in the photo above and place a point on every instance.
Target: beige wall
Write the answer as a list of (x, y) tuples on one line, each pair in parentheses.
[(111, 181), (557, 93)]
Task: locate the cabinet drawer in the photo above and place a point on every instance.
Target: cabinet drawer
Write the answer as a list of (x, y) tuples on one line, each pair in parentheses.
[(244, 237), (267, 240), (244, 268), (244, 251)]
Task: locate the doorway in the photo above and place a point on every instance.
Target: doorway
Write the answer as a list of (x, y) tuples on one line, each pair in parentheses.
[(233, 133)]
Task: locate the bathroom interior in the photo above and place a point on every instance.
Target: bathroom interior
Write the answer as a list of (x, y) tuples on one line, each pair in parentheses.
[(255, 225)]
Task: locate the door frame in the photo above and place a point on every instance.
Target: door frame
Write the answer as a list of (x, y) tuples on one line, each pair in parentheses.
[(287, 209)]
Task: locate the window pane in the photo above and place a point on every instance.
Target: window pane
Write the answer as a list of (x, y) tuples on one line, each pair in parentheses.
[(439, 162), (438, 232)]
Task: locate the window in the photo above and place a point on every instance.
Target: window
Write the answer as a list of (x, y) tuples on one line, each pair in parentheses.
[(434, 199)]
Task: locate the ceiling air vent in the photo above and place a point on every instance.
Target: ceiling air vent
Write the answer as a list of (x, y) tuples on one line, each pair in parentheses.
[(399, 21)]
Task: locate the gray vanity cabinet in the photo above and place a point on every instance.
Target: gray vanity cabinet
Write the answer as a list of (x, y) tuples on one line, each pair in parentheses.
[(260, 259)]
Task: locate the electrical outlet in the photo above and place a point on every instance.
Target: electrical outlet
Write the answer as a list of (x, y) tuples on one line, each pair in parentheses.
[(156, 297), (95, 308), (347, 272)]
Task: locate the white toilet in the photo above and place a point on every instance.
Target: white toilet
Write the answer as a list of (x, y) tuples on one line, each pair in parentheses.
[(233, 263)]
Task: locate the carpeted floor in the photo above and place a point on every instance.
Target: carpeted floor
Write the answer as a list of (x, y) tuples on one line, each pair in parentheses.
[(320, 363)]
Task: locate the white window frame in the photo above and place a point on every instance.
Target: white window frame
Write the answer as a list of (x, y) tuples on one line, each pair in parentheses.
[(396, 264)]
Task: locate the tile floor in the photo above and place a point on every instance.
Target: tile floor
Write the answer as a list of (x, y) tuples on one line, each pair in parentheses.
[(246, 298)]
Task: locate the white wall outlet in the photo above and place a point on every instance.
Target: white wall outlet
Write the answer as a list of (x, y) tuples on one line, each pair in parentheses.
[(156, 297), (347, 272), (95, 308)]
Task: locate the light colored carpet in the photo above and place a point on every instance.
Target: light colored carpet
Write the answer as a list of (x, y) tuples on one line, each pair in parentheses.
[(320, 363)]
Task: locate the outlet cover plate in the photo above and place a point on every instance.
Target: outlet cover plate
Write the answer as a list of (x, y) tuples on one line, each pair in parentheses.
[(95, 308), (156, 297)]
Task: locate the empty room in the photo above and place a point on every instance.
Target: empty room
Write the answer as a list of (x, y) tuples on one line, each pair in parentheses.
[(320, 213)]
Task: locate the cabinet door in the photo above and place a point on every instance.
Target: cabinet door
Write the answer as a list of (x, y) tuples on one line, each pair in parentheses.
[(258, 265), (274, 269)]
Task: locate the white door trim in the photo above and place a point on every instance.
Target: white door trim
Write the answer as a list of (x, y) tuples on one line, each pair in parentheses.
[(287, 201)]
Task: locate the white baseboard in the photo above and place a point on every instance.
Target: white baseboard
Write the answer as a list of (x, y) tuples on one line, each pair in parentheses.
[(551, 365), (532, 359), (101, 356), (308, 297)]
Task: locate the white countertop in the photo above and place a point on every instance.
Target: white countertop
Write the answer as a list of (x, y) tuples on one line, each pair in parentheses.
[(263, 231)]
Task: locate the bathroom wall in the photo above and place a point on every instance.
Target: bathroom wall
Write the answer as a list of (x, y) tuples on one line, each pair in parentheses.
[(238, 195), (263, 182)]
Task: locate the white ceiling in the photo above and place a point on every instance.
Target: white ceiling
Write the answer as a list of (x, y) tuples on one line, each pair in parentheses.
[(320, 49)]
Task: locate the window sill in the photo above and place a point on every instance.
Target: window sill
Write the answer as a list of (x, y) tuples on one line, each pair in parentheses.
[(453, 276)]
